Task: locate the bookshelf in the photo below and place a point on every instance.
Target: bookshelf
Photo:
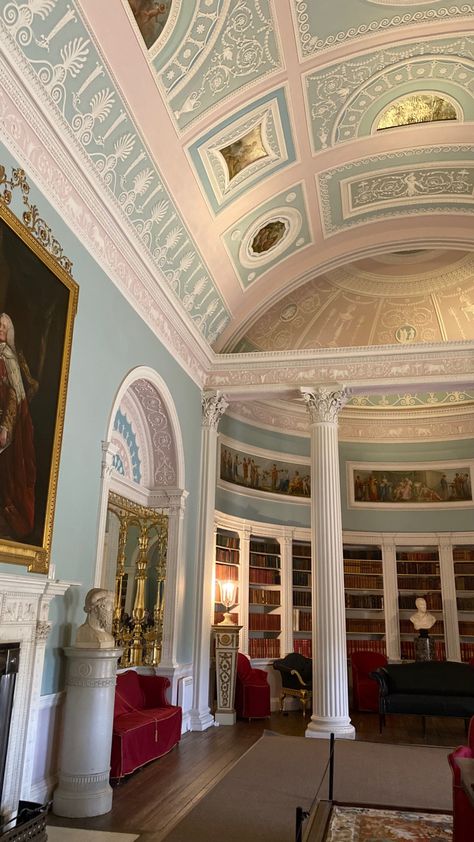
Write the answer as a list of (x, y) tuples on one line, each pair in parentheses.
[(384, 573), (419, 575), (463, 560), (227, 569), (364, 597), (264, 580), (301, 597)]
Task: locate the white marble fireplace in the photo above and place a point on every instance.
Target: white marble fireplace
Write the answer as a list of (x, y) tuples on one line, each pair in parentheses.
[(24, 612)]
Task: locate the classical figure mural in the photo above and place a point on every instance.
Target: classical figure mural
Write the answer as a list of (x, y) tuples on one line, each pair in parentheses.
[(268, 236), (151, 17), (244, 151), (412, 486), (259, 473)]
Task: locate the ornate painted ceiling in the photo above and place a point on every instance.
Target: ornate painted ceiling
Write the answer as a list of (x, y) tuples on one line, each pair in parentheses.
[(293, 175)]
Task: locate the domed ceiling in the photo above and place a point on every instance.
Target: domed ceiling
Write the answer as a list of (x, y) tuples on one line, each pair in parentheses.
[(255, 176)]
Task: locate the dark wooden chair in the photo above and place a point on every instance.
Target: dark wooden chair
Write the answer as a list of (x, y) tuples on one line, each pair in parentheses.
[(296, 678)]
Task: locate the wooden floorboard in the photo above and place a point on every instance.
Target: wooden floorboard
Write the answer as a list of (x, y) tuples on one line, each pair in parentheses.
[(150, 801)]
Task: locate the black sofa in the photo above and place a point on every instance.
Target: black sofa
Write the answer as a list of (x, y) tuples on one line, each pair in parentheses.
[(427, 688), (296, 678)]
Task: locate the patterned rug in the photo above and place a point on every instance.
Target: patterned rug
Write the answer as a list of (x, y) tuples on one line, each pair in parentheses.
[(358, 824)]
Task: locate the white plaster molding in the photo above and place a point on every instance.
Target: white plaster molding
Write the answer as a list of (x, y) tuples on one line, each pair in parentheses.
[(359, 424), (24, 604), (73, 188), (415, 366)]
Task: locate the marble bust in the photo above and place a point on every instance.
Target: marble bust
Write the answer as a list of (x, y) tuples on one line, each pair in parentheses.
[(422, 619), (96, 632)]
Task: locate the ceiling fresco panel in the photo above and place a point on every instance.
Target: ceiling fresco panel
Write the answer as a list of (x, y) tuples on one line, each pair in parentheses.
[(357, 192), (343, 22), (243, 150), (270, 234), (345, 99), (81, 91)]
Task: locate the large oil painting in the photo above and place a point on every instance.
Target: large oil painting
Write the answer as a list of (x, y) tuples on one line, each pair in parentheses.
[(422, 485), (38, 299), (260, 473)]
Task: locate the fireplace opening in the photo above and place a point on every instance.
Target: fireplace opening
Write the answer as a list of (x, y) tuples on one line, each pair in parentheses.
[(9, 660)]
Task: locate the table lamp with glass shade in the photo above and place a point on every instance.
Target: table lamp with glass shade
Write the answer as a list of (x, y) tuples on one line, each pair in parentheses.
[(228, 592)]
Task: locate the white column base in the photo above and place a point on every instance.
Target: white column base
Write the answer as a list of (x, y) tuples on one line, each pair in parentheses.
[(77, 799), (225, 718), (200, 720), (321, 727)]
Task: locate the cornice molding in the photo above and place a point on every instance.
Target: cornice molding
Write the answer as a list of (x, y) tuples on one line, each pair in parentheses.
[(365, 368), (437, 424)]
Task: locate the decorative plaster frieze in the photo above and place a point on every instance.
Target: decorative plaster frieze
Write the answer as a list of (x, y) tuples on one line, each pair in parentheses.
[(308, 22), (345, 99), (361, 424), (333, 185), (244, 51), (98, 216), (421, 366)]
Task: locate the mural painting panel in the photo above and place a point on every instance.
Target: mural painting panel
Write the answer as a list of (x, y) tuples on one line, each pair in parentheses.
[(261, 473), (151, 17), (418, 485)]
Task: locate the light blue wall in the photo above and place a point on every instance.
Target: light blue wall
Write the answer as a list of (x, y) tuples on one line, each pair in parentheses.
[(358, 520), (109, 340)]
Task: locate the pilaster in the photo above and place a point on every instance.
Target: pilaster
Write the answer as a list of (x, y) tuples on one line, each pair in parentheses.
[(214, 405)]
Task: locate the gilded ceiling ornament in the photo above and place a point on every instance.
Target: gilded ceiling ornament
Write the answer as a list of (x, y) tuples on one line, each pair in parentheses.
[(417, 108)]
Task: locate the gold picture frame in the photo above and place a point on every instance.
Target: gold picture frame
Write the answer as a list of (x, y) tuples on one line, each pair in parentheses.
[(38, 304)]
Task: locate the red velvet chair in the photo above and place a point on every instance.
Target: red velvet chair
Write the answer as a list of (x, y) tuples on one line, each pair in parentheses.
[(463, 811), (365, 690), (252, 690)]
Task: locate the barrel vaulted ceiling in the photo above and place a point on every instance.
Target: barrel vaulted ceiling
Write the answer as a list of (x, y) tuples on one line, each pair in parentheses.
[(243, 148)]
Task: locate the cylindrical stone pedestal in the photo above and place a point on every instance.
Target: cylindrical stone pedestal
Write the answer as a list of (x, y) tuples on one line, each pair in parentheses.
[(84, 760)]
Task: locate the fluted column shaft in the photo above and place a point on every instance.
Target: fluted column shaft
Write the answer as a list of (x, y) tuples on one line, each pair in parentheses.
[(330, 685), (213, 407)]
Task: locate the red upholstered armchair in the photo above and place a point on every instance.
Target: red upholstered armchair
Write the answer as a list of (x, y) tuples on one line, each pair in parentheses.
[(463, 811), (365, 690), (252, 690)]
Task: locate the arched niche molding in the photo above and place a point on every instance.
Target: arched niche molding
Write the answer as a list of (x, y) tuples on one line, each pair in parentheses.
[(143, 463)]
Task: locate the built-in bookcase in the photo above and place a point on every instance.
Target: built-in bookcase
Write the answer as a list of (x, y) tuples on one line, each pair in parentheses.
[(463, 559), (264, 627), (364, 598), (227, 569), (383, 576), (301, 597), (419, 575)]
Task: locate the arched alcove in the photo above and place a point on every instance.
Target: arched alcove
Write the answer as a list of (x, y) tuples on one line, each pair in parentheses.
[(142, 508)]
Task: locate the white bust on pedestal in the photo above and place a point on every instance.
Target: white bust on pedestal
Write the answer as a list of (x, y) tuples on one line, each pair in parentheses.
[(84, 762), (96, 632)]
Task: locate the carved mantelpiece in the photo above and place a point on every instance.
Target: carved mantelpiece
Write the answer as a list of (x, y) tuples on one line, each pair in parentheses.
[(24, 611)]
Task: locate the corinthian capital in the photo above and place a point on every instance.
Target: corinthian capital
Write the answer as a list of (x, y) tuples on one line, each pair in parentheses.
[(324, 403), (213, 407)]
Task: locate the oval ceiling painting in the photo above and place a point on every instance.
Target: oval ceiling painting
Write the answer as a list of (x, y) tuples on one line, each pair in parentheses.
[(151, 17)]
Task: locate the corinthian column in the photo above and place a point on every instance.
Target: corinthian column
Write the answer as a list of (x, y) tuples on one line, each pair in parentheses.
[(213, 407), (330, 687)]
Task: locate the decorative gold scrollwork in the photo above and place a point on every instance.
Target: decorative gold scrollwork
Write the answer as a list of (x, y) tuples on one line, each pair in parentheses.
[(138, 612)]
